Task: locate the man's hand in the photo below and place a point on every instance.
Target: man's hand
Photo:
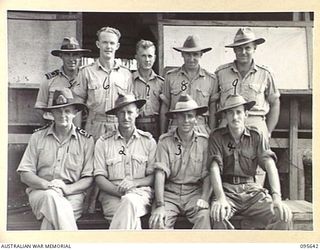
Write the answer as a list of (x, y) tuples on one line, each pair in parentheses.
[(125, 185), (157, 218), (220, 210), (59, 184), (284, 210), (202, 204)]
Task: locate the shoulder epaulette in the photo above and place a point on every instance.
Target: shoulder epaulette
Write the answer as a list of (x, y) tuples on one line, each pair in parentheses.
[(52, 74), (160, 77), (145, 133), (43, 127), (172, 71), (223, 66), (122, 66), (165, 135), (108, 135), (85, 66), (213, 75), (83, 132), (264, 67), (217, 129), (203, 135)]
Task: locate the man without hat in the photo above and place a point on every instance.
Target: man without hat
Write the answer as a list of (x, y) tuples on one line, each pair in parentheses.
[(148, 85), (233, 155), (254, 82), (57, 166), (181, 178), (101, 82), (191, 79), (123, 170), (99, 86), (65, 77)]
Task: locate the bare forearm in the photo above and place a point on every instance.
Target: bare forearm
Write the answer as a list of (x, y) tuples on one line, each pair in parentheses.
[(159, 185), (163, 119), (216, 181), (146, 181), (273, 115), (206, 189), (80, 186), (34, 181), (273, 177), (105, 185)]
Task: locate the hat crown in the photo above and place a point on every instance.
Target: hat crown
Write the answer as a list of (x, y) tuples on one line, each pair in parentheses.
[(234, 101), (70, 43), (192, 42), (63, 96), (185, 102), (244, 34), (122, 98)]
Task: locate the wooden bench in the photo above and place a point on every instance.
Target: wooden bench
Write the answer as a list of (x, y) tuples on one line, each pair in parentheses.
[(302, 219)]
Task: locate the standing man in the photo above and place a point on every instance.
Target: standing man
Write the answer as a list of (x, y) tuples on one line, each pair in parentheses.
[(101, 82), (182, 183), (65, 77), (57, 166), (123, 171), (233, 156), (191, 79), (254, 82), (148, 85)]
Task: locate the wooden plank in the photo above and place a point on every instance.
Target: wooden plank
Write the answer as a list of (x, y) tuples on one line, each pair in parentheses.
[(284, 143), (160, 46), (79, 25), (309, 38), (296, 91), (176, 22), (35, 15), (22, 85), (293, 150), (18, 138)]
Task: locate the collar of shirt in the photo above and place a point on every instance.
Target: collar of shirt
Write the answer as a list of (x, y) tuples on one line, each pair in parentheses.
[(73, 131), (116, 65), (177, 137), (253, 67), (136, 75), (184, 71), (226, 131), (135, 134)]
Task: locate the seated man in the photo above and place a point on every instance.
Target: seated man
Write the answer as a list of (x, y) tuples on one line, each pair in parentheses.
[(233, 155), (182, 183), (57, 166), (123, 167)]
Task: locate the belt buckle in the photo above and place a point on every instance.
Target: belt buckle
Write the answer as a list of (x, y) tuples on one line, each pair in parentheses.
[(236, 180)]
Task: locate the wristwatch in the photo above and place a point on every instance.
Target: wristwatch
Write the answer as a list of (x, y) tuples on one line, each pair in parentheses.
[(159, 204)]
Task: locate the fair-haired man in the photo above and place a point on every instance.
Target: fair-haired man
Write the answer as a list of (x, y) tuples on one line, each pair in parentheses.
[(148, 85), (234, 153), (57, 166), (191, 79), (182, 183), (123, 170)]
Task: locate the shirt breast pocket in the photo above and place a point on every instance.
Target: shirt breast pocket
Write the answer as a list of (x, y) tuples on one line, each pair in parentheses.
[(121, 88), (254, 91), (202, 97), (95, 92), (196, 164), (249, 164), (115, 169), (139, 165)]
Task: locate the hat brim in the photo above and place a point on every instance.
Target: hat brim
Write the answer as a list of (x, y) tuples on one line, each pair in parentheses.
[(247, 106), (195, 49), (200, 110), (57, 52), (114, 111), (256, 41), (79, 106)]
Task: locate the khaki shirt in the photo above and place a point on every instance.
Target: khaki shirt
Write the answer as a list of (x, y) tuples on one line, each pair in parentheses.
[(258, 85), (115, 159), (203, 88), (50, 159), (149, 91), (182, 165), (99, 88), (239, 159), (55, 80)]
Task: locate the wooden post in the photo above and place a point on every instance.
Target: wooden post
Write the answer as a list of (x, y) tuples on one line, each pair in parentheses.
[(293, 150)]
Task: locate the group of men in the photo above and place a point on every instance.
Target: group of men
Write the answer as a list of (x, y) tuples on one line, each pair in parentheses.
[(189, 144)]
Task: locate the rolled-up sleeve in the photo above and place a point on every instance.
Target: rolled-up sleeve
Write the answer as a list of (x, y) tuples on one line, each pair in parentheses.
[(214, 151), (162, 158), (99, 159), (88, 158), (264, 152), (214, 95), (151, 157), (272, 92), (43, 95), (29, 160), (205, 172)]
